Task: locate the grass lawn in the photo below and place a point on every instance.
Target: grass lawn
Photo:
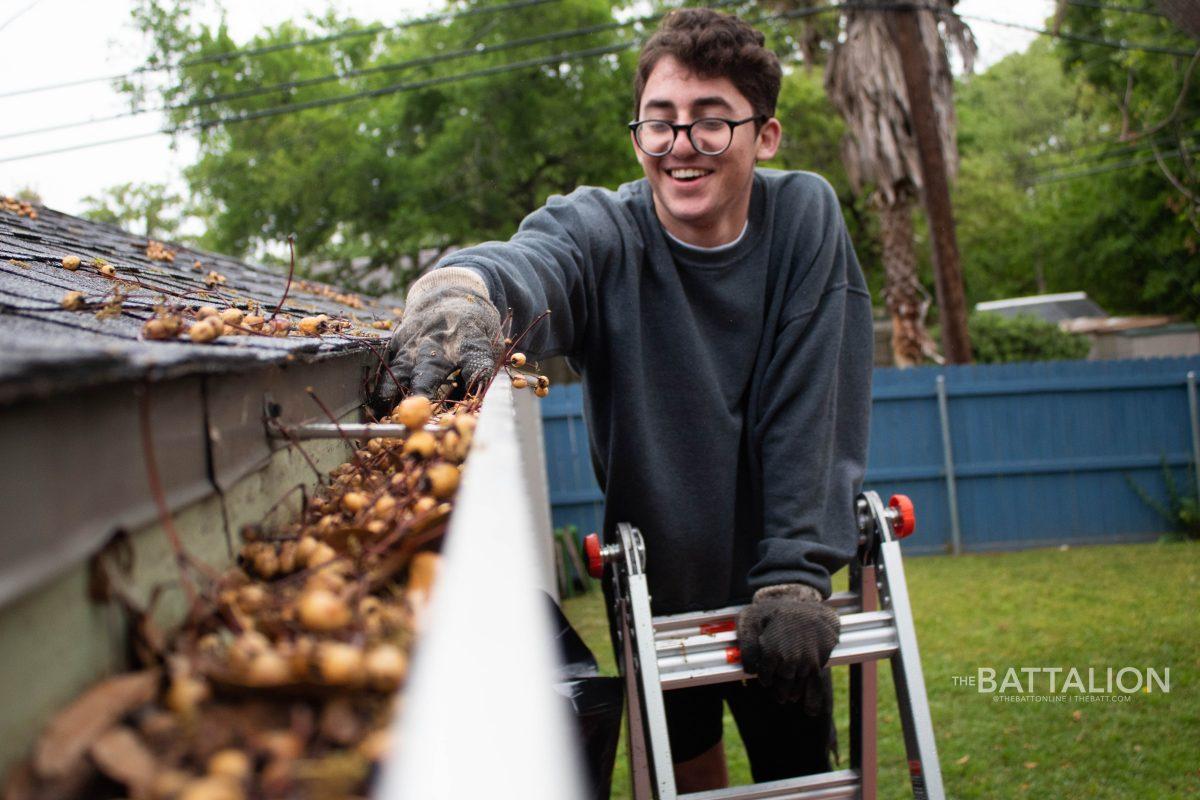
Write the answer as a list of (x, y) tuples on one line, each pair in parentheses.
[(1103, 606)]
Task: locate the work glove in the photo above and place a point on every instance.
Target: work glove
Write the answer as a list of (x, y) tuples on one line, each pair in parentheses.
[(786, 635), (449, 324)]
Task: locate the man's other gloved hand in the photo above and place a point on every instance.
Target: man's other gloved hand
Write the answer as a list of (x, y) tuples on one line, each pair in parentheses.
[(786, 635), (449, 323)]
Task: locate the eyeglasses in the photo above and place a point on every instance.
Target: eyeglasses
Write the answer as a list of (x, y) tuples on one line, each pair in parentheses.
[(711, 136)]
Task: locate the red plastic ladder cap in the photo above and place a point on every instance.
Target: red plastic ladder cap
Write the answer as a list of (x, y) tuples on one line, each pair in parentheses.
[(906, 522), (591, 547)]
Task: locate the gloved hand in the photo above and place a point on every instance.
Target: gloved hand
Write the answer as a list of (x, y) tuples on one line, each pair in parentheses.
[(449, 323), (786, 635)]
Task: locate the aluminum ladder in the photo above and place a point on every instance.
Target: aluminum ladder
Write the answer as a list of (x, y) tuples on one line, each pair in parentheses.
[(671, 652)]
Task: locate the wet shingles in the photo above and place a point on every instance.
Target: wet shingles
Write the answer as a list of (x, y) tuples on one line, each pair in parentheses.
[(45, 349)]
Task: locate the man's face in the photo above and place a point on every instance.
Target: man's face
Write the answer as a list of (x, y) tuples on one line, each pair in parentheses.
[(710, 209)]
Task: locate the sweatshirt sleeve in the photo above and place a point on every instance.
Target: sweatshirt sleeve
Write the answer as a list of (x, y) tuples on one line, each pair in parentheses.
[(813, 430), (551, 264)]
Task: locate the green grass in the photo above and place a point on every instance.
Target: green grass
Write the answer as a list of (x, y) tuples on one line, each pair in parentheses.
[(1116, 605)]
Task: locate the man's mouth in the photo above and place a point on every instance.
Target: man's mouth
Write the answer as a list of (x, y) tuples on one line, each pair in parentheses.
[(688, 174)]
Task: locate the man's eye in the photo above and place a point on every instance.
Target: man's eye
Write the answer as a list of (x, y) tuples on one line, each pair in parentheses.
[(710, 125)]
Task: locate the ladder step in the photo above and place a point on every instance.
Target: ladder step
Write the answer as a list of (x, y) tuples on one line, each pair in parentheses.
[(672, 625), (839, 785), (696, 659)]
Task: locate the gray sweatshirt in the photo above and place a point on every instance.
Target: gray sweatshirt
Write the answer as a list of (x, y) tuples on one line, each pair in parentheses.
[(727, 394)]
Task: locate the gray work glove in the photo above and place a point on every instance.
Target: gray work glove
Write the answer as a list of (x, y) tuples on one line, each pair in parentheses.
[(786, 635), (449, 323)]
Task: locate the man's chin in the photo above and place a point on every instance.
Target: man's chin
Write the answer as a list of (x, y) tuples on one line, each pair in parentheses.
[(688, 213)]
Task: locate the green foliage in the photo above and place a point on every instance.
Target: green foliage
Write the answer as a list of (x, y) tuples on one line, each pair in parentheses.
[(570, 569), (397, 175), (812, 134), (28, 194), (147, 209), (996, 339), (1182, 509), (1051, 198)]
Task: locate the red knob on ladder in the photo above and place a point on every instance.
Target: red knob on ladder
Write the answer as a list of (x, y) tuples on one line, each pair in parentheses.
[(595, 561), (905, 520)]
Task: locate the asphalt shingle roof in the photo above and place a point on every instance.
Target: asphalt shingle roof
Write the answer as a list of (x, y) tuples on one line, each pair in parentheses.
[(46, 349)]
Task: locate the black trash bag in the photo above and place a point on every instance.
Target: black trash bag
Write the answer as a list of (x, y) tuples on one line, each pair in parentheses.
[(596, 705)]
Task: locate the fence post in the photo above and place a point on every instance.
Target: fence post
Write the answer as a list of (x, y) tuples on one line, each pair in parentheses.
[(1194, 413), (948, 460)]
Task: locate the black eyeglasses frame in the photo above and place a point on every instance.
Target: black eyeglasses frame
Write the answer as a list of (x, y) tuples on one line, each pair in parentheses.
[(677, 127)]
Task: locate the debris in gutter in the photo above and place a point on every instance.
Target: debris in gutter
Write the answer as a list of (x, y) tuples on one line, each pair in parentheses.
[(282, 681)]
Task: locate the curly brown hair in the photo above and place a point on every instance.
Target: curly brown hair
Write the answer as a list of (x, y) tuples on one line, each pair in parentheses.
[(713, 45)]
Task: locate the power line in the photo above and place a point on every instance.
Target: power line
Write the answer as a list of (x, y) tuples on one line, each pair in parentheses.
[(1135, 162), (1150, 12), (1134, 149), (1128, 145), (421, 61), (396, 66), (18, 15), (367, 94), (229, 55), (1075, 37), (477, 51)]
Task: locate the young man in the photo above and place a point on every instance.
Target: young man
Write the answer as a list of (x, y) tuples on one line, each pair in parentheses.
[(720, 321)]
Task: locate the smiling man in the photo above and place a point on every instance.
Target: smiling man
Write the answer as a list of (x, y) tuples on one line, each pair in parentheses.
[(720, 321)]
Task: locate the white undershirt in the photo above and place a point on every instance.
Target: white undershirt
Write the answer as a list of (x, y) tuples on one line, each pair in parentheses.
[(716, 249)]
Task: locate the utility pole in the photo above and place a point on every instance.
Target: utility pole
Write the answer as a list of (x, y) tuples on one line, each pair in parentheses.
[(935, 194)]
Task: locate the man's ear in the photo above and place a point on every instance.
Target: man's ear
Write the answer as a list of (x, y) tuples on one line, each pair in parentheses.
[(769, 136)]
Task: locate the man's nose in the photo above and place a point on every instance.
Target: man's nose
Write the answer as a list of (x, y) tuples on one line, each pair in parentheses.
[(683, 145)]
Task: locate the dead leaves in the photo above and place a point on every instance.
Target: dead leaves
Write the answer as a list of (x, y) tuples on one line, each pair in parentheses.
[(74, 729), (18, 207), (157, 251), (267, 696), (321, 290), (112, 307), (121, 755)]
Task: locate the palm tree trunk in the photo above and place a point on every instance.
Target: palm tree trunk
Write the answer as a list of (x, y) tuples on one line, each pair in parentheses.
[(907, 301)]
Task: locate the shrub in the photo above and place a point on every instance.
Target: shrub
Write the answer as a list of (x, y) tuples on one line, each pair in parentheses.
[(1182, 509), (996, 339)]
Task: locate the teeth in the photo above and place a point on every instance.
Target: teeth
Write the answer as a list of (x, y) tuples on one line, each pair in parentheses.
[(682, 174)]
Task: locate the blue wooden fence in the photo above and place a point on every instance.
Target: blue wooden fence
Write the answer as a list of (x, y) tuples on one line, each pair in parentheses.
[(1043, 453)]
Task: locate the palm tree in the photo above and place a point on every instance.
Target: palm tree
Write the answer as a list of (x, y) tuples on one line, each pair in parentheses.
[(865, 81)]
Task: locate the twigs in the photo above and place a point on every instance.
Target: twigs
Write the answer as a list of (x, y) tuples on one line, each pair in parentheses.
[(375, 379), (333, 419), (1183, 90), (279, 426), (182, 559), (291, 273)]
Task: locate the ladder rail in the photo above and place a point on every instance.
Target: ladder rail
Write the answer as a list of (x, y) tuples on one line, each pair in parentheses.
[(915, 720), (699, 648)]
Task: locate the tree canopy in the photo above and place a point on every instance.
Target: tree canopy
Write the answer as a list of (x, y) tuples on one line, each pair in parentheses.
[(371, 149), (1060, 188), (417, 163)]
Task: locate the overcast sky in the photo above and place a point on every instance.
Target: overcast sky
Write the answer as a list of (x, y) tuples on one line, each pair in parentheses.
[(52, 41)]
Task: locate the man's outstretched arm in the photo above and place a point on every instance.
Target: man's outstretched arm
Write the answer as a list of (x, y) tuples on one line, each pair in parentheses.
[(454, 313)]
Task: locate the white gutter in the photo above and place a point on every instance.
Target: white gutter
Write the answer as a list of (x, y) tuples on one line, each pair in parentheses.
[(480, 716)]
